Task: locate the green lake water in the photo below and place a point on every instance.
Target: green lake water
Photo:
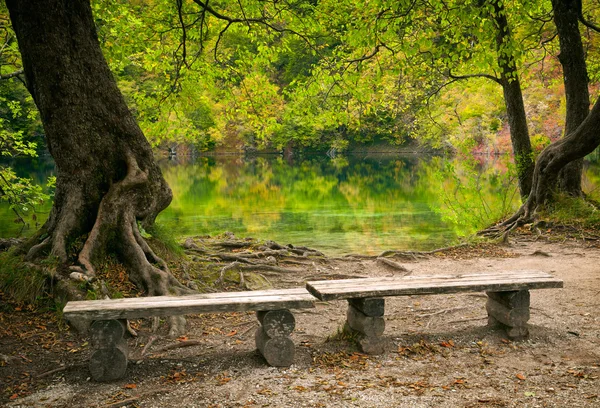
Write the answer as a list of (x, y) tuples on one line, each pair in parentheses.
[(356, 204)]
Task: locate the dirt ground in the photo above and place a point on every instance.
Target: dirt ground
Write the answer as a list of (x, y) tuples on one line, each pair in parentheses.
[(439, 354)]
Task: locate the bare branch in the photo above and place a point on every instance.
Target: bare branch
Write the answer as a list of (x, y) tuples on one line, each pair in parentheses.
[(589, 24), (487, 76)]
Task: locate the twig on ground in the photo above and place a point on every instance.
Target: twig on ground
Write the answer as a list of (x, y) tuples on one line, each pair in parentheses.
[(181, 344), (134, 399), (58, 370), (443, 311), (151, 340), (467, 320)]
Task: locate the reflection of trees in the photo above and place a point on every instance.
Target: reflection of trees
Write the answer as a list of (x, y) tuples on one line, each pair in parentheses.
[(365, 205), (369, 204)]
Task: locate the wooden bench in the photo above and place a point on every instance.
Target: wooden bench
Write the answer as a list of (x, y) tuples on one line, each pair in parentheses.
[(107, 322), (507, 303)]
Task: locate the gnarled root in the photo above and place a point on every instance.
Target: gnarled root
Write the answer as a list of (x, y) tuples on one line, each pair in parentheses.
[(524, 215), (115, 230)]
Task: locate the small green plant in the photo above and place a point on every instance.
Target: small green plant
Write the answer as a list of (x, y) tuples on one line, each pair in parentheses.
[(162, 240), (345, 334), (474, 199)]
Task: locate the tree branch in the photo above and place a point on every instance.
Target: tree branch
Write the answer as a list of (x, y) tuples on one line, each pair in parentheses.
[(586, 23), (11, 75), (487, 76)]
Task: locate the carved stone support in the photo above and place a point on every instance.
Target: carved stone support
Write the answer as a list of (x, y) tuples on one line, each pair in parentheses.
[(108, 361), (272, 337), (509, 310), (365, 320)]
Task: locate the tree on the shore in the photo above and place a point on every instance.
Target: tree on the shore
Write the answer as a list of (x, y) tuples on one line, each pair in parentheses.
[(583, 129), (575, 77), (108, 184)]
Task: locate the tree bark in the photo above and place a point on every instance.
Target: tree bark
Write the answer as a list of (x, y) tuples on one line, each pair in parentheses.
[(575, 75), (107, 179), (513, 99)]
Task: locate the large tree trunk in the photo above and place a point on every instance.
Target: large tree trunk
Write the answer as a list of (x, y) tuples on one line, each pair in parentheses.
[(107, 179), (513, 99), (549, 163), (572, 59)]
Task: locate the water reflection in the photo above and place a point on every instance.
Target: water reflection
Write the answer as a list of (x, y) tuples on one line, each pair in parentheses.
[(355, 204), (358, 204)]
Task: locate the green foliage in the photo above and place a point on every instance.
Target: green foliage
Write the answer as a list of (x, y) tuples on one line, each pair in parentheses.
[(21, 282), (21, 194), (474, 198)]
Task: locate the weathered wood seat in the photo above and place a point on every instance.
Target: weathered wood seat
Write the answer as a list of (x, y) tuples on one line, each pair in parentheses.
[(107, 320), (507, 304)]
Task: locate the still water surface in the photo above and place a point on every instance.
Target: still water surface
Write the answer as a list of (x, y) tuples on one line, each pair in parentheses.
[(357, 204)]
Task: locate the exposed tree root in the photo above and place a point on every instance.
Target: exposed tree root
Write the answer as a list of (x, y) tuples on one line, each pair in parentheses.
[(115, 230), (8, 243), (393, 265), (409, 255), (262, 268)]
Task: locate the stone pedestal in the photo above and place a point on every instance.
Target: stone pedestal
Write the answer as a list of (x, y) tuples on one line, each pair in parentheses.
[(273, 337), (509, 310), (365, 320), (108, 361)]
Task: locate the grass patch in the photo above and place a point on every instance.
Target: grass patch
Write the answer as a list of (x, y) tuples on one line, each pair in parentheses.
[(21, 282), (573, 211), (162, 240)]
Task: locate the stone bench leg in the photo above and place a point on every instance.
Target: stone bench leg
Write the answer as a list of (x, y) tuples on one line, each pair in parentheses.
[(273, 337), (108, 361), (511, 311), (365, 319)]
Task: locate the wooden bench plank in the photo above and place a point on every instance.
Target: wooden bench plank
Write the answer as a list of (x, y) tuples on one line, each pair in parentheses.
[(435, 284), (131, 308)]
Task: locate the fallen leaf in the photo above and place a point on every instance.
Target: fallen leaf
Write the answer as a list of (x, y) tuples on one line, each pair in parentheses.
[(130, 386), (231, 333), (520, 377), (182, 338), (14, 397)]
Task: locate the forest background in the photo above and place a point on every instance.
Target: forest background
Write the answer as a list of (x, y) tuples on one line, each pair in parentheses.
[(295, 77)]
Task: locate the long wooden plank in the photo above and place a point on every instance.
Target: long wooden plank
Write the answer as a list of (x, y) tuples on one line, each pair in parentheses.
[(510, 275), (220, 295), (157, 306), (326, 285), (436, 284), (507, 275), (429, 281)]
